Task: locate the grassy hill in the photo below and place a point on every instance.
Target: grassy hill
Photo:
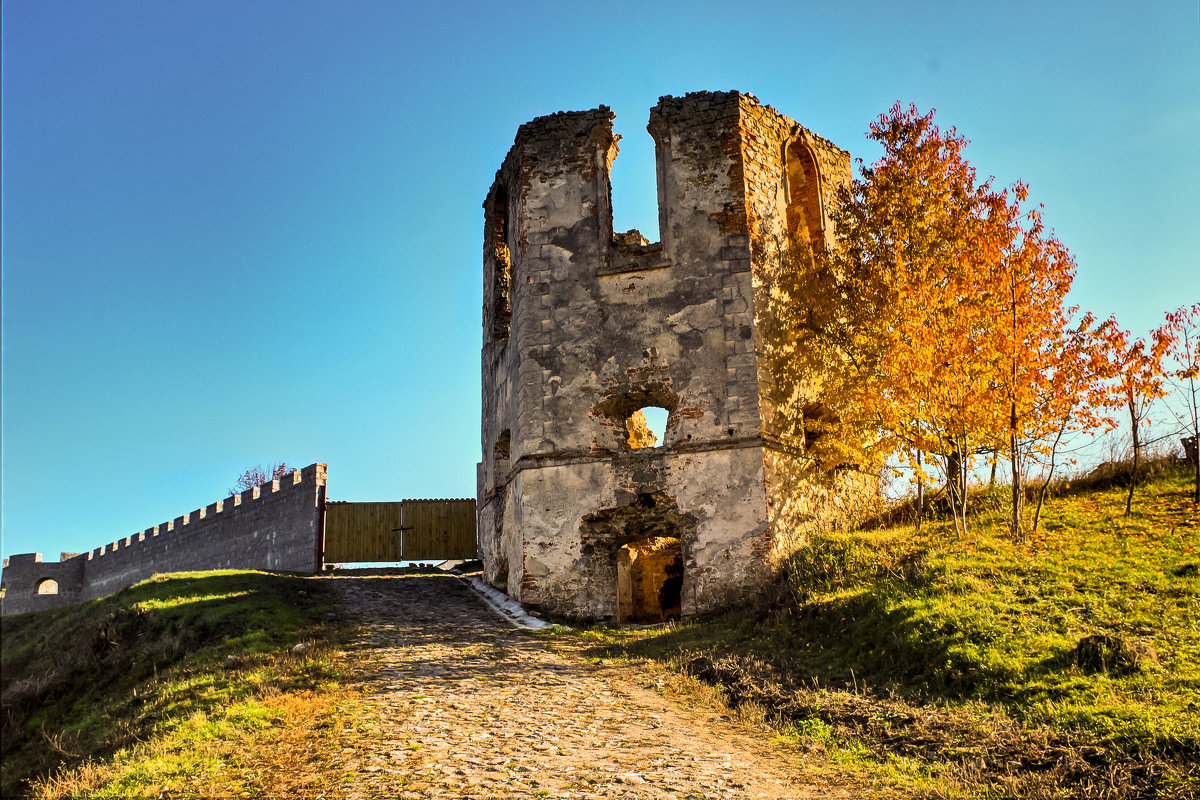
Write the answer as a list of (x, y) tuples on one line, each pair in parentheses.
[(173, 660), (1067, 665), (1063, 666)]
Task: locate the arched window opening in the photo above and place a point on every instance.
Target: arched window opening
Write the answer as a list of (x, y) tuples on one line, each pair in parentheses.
[(650, 580), (802, 187), (501, 265), (500, 454), (638, 418), (647, 427), (503, 444), (47, 586), (818, 423)]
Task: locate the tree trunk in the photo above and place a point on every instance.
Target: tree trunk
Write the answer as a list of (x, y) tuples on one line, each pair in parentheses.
[(1037, 512), (920, 493), (1137, 454), (1018, 491), (1196, 449), (956, 484)]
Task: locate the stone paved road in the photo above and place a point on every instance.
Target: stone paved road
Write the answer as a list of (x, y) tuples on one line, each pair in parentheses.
[(463, 705)]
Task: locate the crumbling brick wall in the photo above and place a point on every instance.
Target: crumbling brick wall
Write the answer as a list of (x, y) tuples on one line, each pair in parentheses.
[(583, 327), (276, 526)]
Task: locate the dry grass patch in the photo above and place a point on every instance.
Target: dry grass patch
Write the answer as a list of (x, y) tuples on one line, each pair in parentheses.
[(282, 745)]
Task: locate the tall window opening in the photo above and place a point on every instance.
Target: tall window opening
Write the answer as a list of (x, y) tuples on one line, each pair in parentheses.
[(48, 586), (647, 427), (501, 265), (632, 206), (803, 193), (500, 453)]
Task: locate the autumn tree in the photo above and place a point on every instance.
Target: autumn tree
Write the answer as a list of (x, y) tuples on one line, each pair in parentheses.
[(1182, 357), (1068, 396), (1137, 383), (1053, 360), (257, 476), (907, 321), (948, 311)]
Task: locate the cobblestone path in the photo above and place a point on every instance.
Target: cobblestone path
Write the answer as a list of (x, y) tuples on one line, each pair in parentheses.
[(462, 705)]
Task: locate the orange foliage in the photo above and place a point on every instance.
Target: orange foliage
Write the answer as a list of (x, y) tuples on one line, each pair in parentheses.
[(952, 314)]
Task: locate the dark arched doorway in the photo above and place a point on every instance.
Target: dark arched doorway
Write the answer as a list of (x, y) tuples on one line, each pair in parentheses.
[(649, 580)]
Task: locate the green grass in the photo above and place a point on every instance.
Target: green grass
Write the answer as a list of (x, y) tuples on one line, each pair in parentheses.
[(1067, 665), (176, 659)]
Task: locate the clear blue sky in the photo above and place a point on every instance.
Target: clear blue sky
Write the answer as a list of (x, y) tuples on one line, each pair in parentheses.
[(237, 232)]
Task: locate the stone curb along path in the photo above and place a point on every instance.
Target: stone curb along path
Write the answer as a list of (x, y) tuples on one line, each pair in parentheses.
[(508, 609), (457, 705)]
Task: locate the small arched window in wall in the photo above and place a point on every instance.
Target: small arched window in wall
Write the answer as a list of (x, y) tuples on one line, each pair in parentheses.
[(803, 193), (501, 265), (503, 444), (818, 421), (647, 427), (47, 586), (500, 454)]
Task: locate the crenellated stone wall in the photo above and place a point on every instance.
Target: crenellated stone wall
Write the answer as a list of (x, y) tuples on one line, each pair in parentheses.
[(276, 526)]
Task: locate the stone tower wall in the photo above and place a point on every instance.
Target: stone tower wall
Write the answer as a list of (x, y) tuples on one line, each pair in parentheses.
[(582, 328)]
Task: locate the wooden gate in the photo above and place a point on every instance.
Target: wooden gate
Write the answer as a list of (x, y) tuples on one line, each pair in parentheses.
[(409, 530)]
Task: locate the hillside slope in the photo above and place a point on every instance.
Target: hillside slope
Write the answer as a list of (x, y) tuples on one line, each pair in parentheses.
[(1066, 665), (82, 682)]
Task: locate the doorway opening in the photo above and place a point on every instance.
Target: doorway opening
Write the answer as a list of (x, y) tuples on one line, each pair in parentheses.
[(649, 580)]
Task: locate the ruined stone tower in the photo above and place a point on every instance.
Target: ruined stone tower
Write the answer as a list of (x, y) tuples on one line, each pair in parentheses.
[(584, 328)]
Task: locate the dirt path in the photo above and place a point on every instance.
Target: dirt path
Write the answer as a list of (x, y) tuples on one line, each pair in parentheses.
[(466, 706)]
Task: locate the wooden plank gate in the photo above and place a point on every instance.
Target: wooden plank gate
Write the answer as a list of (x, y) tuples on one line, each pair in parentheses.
[(408, 530)]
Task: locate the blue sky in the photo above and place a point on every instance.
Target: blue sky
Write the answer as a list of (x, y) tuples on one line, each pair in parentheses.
[(240, 232)]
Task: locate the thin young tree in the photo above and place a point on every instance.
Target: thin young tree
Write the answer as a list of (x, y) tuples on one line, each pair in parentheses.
[(1138, 381), (1053, 359), (1075, 403), (1182, 360)]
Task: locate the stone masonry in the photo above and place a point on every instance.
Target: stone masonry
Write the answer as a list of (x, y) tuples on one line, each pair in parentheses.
[(584, 328), (276, 526)]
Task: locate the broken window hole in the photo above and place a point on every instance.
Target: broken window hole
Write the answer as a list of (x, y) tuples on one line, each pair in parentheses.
[(639, 417), (817, 420), (647, 427), (48, 586)]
